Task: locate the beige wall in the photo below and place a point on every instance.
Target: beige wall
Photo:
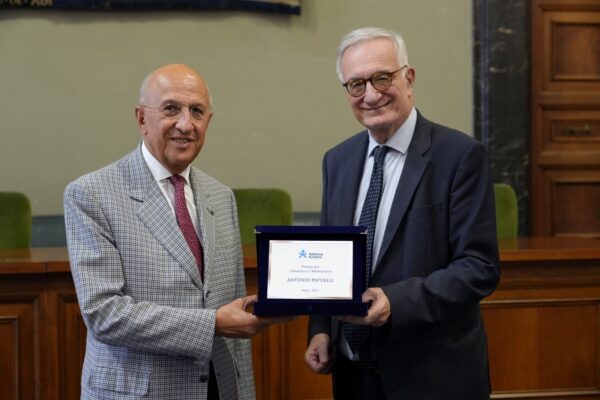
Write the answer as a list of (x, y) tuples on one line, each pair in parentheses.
[(69, 82)]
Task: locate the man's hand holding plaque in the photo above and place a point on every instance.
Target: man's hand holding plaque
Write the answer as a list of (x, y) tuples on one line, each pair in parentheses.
[(379, 309)]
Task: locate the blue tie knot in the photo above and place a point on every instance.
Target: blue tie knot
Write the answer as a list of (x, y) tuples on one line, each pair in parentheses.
[(379, 153)]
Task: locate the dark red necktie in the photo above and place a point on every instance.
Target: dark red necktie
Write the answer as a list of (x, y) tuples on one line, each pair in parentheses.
[(185, 222)]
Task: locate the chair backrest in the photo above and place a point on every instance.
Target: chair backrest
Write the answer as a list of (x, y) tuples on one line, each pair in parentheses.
[(262, 207), (15, 220), (507, 213)]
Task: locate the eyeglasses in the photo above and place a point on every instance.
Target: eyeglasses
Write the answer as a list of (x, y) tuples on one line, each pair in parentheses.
[(380, 81), (174, 110)]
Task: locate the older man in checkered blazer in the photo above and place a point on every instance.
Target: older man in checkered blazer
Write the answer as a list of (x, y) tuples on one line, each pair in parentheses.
[(165, 311)]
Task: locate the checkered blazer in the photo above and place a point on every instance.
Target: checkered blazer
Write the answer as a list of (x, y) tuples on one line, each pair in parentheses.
[(150, 318)]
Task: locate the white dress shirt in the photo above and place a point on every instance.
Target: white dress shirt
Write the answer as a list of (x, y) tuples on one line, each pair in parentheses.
[(162, 175)]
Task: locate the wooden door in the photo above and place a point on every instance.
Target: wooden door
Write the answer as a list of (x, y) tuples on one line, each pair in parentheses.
[(565, 137)]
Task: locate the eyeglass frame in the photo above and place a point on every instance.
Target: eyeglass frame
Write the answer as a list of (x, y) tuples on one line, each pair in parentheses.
[(161, 110), (370, 80)]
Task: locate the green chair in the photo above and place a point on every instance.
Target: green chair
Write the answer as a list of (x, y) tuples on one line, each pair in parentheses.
[(261, 207), (507, 214), (15, 220)]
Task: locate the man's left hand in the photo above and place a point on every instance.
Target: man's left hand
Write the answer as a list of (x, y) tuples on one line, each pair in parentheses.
[(379, 311)]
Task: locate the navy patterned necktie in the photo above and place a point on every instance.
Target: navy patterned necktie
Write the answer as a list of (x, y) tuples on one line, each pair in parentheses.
[(357, 335), (185, 222)]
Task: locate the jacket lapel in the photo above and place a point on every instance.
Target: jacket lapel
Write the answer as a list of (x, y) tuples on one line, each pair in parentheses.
[(205, 212), (156, 215), (351, 175), (414, 166)]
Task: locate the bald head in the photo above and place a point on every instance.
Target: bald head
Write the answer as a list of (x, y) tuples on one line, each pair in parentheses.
[(173, 115), (166, 76)]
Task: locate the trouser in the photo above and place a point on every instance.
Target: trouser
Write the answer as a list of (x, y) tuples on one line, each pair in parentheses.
[(213, 388), (351, 382)]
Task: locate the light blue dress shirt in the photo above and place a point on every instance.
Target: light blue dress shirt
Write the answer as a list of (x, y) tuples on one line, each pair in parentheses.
[(392, 170)]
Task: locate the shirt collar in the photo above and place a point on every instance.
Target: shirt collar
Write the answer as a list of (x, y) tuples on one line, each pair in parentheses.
[(400, 140), (159, 172)]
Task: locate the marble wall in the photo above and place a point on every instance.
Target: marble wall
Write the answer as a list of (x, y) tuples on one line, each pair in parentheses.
[(501, 40)]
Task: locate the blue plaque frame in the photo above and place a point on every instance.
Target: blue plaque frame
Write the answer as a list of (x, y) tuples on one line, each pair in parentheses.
[(293, 306)]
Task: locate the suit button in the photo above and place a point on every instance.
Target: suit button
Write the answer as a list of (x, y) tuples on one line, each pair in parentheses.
[(203, 378)]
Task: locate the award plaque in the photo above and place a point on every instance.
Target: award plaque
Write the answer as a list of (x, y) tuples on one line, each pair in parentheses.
[(310, 270)]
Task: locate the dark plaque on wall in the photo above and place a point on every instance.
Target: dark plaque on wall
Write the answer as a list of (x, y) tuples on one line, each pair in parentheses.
[(282, 6)]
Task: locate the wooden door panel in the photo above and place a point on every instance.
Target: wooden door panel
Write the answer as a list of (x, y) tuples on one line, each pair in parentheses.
[(20, 361), (543, 346), (71, 337), (571, 40), (567, 130), (575, 196), (575, 44)]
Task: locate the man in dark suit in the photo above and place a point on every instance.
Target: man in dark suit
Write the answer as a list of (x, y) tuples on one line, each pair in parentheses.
[(157, 261), (431, 244)]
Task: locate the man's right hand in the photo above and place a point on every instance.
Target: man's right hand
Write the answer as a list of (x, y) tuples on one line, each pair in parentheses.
[(233, 321), (318, 355)]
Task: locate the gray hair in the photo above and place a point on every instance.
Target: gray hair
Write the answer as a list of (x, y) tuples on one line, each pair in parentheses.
[(360, 34)]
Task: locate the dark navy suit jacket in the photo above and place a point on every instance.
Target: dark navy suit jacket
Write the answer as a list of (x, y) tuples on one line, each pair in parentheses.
[(438, 259)]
